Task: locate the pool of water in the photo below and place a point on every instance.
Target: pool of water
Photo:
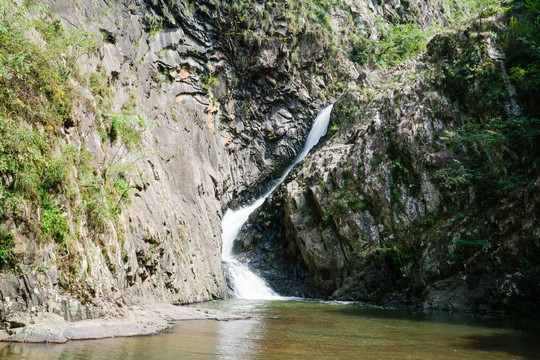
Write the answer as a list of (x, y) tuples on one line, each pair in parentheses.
[(291, 329)]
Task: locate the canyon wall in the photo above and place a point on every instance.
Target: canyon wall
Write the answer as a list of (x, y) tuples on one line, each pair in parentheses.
[(207, 131), (142, 121), (425, 194)]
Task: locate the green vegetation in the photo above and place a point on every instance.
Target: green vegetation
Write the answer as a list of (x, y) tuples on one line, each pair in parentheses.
[(402, 171), (189, 8), (390, 43), (395, 44), (34, 77), (469, 247), (522, 44), (502, 156), (6, 248), (501, 147), (346, 111), (498, 147), (464, 71), (460, 10), (494, 148), (453, 175), (308, 17), (46, 184), (348, 198), (208, 82), (125, 125), (403, 253), (53, 223), (299, 32)]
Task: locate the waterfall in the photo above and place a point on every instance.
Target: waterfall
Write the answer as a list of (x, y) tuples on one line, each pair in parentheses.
[(245, 283)]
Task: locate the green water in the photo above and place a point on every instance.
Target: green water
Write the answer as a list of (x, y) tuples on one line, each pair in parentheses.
[(311, 330)]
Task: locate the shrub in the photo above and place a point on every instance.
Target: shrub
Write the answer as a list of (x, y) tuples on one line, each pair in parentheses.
[(125, 126), (24, 154), (464, 71), (456, 174), (6, 247), (395, 44), (53, 223), (502, 154)]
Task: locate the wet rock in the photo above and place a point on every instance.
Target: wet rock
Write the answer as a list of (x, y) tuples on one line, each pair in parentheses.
[(369, 218)]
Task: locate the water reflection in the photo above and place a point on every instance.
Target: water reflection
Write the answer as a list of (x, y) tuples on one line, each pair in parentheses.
[(240, 339), (518, 344), (310, 330)]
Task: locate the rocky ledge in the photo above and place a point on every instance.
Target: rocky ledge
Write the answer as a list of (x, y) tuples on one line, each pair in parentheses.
[(148, 318)]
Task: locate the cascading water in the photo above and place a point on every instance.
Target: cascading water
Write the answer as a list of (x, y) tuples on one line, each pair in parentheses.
[(245, 283)]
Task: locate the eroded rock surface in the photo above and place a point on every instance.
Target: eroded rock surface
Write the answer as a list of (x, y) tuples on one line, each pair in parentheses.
[(371, 219), (215, 132)]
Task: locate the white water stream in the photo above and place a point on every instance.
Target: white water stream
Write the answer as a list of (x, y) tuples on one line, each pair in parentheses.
[(245, 283)]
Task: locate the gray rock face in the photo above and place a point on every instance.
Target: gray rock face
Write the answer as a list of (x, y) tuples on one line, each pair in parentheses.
[(265, 235), (166, 244), (217, 133), (369, 218)]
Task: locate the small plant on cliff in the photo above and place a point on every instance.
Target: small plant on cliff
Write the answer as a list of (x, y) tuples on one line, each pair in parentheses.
[(394, 45), (6, 247), (456, 174), (189, 8), (208, 82), (125, 126), (474, 245), (53, 222)]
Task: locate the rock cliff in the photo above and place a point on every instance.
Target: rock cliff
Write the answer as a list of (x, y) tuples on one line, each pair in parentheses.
[(371, 218), (126, 128), (164, 128), (427, 193)]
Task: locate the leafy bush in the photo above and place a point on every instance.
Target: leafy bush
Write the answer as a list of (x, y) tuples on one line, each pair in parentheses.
[(6, 247), (346, 111), (464, 71), (456, 174), (24, 154), (394, 45), (209, 81), (53, 223), (474, 244), (502, 155), (123, 190), (125, 126)]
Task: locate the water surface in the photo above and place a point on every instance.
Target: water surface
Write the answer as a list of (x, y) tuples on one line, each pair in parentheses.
[(288, 329)]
